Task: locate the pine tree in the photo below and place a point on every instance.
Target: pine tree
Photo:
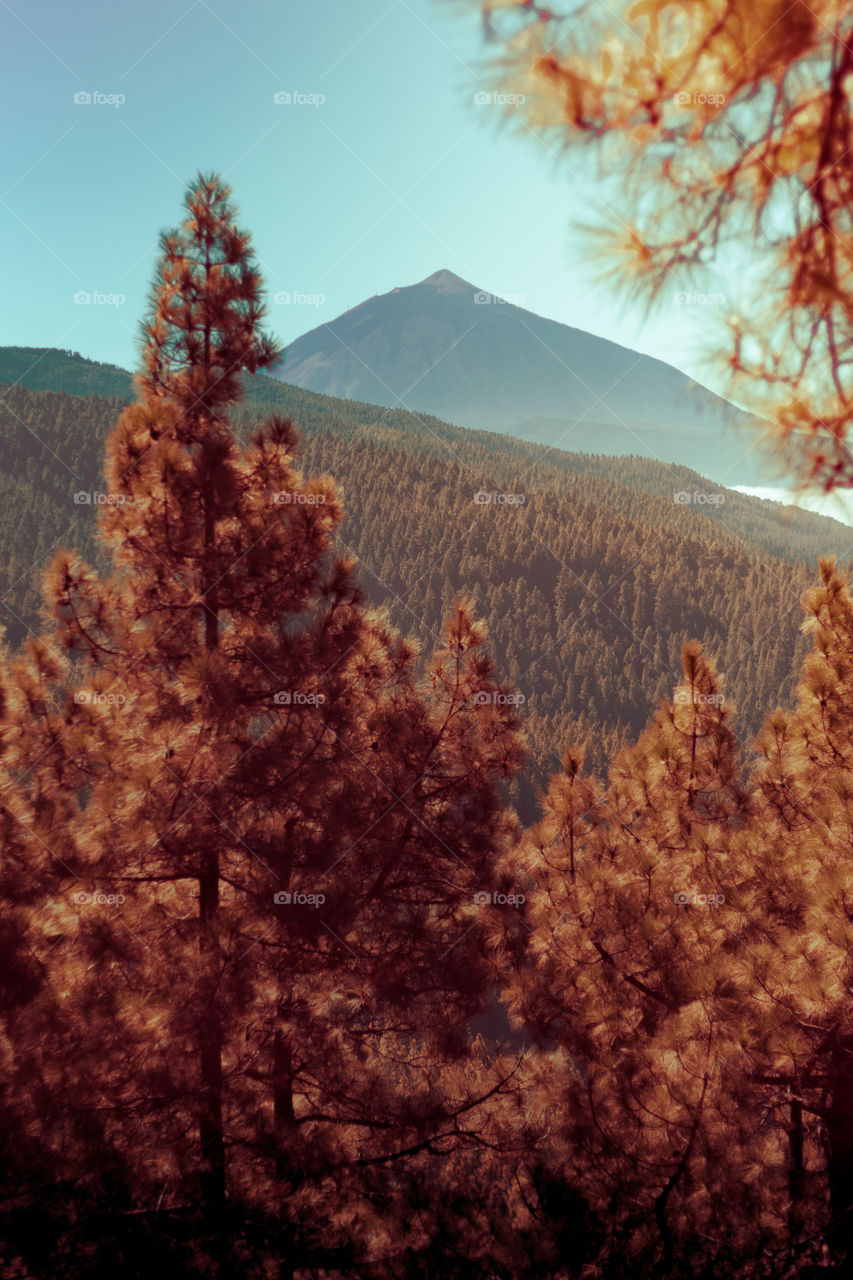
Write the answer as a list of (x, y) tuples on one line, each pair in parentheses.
[(279, 826), (630, 985), (800, 916)]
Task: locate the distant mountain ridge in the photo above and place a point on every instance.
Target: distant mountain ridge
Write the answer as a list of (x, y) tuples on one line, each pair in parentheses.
[(447, 348)]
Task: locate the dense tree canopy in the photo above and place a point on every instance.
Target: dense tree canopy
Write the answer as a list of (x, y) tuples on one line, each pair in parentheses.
[(245, 838), (590, 671), (262, 893)]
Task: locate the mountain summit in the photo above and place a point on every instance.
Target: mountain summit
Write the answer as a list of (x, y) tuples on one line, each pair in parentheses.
[(446, 282), (447, 348)]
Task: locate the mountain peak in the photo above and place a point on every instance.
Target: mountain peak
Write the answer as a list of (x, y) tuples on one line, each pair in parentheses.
[(447, 282), (447, 348)]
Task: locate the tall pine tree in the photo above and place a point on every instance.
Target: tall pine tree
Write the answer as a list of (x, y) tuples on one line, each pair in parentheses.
[(266, 830), (800, 908), (629, 985)]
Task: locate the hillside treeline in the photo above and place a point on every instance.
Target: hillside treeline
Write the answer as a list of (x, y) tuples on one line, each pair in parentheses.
[(588, 585), (260, 879)]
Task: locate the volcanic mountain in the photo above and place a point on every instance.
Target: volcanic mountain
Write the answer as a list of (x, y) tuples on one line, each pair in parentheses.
[(447, 348)]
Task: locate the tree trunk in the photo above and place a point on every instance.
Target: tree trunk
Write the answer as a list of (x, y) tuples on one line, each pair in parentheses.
[(285, 1132), (840, 1161), (211, 1137), (796, 1174)]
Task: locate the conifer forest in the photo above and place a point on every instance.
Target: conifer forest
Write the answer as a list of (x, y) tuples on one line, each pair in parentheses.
[(426, 750)]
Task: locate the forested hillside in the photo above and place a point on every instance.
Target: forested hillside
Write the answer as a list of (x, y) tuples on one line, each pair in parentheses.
[(793, 532), (589, 582), (300, 978)]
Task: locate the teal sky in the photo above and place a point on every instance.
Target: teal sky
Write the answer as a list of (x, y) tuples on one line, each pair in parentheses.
[(397, 173)]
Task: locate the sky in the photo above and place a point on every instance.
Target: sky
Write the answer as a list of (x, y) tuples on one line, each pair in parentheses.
[(380, 169), (361, 155)]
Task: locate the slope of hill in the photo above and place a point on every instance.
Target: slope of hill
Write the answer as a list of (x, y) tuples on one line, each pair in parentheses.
[(784, 530), (589, 584), (51, 369), (447, 348)]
